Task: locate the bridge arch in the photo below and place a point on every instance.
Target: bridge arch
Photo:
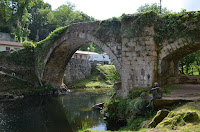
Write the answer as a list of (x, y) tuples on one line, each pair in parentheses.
[(63, 48), (170, 55)]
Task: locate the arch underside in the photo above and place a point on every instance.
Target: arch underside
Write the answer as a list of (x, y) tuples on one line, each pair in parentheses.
[(169, 64), (56, 63)]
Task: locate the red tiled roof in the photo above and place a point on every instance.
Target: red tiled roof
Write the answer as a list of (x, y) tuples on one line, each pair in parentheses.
[(10, 43)]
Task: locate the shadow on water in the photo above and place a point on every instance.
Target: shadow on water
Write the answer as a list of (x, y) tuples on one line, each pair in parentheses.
[(35, 114), (52, 114)]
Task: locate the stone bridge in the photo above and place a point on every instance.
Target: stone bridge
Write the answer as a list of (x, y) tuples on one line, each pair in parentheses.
[(141, 47)]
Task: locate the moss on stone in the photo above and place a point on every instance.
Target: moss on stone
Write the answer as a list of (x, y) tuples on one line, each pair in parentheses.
[(109, 29), (161, 114), (23, 57), (172, 120), (191, 117), (42, 47), (178, 119), (138, 23)]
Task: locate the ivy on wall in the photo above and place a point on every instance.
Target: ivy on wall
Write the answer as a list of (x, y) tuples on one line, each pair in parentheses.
[(43, 46), (24, 57), (171, 26), (108, 29)]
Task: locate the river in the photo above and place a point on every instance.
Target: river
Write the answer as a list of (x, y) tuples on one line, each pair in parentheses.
[(52, 114)]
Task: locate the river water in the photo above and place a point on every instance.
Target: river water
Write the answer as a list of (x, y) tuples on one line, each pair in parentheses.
[(52, 114)]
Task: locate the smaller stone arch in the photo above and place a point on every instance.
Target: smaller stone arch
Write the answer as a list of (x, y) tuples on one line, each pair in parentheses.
[(171, 53)]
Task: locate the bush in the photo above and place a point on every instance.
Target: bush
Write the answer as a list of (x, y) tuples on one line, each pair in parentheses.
[(28, 44), (110, 72)]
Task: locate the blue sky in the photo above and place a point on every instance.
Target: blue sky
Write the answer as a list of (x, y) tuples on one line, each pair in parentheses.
[(104, 9)]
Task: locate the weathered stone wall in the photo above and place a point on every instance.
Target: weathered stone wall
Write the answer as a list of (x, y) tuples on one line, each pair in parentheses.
[(138, 61), (76, 70), (20, 67), (9, 82)]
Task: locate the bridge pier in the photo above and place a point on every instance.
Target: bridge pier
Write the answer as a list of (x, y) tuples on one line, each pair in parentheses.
[(139, 60)]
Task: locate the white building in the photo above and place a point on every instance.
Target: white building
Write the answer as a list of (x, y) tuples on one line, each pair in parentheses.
[(10, 46), (99, 58), (92, 57), (82, 54)]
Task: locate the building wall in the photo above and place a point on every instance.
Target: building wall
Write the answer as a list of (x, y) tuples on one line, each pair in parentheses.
[(76, 70), (80, 56), (4, 48)]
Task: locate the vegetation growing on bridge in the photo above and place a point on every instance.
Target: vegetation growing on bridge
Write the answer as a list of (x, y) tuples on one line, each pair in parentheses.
[(170, 26), (109, 29), (24, 57), (43, 46)]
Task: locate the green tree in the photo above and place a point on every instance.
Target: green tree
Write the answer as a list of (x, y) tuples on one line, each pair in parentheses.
[(14, 13), (41, 20), (153, 7), (6, 12), (92, 48), (66, 14), (186, 64)]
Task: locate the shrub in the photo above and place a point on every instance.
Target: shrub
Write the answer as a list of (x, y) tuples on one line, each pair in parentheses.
[(28, 44)]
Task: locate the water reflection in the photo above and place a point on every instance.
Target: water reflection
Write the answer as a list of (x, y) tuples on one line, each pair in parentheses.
[(51, 114), (78, 108)]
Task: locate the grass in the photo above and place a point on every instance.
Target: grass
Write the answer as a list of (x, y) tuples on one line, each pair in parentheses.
[(92, 82), (110, 72), (96, 90), (84, 127), (103, 76)]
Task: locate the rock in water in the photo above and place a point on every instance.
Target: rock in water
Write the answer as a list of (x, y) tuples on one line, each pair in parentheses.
[(98, 106)]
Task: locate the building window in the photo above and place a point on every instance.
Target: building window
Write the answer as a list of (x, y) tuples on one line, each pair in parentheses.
[(7, 48), (16, 48)]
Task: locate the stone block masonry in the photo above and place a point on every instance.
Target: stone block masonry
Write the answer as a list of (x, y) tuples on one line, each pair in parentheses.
[(76, 70), (137, 45)]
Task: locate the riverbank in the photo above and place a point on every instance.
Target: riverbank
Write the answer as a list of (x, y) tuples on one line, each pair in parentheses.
[(183, 110), (14, 88), (102, 76)]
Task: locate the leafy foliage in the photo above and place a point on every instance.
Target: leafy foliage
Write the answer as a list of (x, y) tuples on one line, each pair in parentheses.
[(92, 48), (53, 36), (132, 109), (28, 44), (110, 72), (153, 7), (24, 57), (35, 19), (190, 65)]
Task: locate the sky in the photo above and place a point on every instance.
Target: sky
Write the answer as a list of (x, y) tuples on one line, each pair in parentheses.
[(105, 9)]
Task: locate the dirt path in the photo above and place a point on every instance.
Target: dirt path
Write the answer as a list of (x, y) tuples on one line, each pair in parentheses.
[(186, 92)]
